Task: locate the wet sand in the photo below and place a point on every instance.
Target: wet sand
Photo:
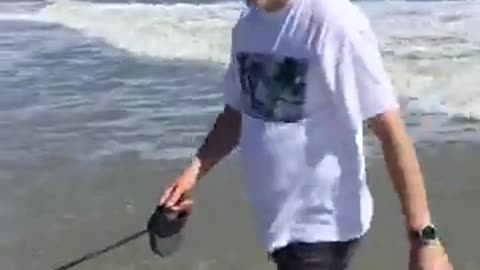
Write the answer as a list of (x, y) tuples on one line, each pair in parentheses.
[(61, 209)]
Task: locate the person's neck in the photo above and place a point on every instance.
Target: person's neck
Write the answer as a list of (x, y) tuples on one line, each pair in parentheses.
[(276, 5)]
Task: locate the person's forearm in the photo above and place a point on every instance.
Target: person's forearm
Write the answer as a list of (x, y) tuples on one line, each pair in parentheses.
[(405, 172), (219, 142)]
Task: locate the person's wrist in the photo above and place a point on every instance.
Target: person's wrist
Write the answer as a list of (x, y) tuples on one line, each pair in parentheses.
[(426, 235), (418, 221), (195, 165)]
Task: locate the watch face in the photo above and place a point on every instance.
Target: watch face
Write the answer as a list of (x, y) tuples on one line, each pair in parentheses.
[(429, 233)]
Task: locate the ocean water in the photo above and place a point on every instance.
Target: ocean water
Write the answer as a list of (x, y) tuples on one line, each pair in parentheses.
[(92, 79), (99, 90)]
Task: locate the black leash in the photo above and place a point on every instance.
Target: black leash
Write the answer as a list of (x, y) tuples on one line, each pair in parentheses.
[(94, 254), (162, 224)]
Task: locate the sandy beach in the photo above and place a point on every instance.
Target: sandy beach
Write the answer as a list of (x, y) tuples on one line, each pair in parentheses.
[(109, 200)]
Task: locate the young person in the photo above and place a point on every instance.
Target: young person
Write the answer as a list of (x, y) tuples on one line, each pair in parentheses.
[(304, 77)]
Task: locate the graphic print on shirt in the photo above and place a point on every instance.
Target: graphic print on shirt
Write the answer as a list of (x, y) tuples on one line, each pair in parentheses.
[(273, 87)]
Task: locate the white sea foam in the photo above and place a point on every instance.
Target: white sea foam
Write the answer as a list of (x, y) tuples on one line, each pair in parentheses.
[(177, 31), (433, 53), (431, 49)]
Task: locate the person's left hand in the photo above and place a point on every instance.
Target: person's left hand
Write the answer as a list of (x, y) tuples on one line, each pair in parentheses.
[(433, 257)]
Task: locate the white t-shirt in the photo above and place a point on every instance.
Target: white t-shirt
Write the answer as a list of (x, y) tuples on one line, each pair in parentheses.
[(305, 78)]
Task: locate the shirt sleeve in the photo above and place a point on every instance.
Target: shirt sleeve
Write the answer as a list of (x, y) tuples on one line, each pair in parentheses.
[(359, 80), (231, 90)]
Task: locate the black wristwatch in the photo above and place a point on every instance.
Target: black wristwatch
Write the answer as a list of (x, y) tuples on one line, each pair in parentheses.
[(428, 235)]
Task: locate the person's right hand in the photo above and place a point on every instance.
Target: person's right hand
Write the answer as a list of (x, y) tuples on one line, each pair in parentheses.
[(177, 196), (429, 258)]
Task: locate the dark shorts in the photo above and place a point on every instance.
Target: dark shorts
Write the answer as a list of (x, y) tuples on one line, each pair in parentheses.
[(315, 256)]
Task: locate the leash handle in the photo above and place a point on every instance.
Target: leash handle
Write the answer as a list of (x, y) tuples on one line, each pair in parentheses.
[(97, 253)]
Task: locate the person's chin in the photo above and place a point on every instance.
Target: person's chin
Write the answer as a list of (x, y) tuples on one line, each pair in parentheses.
[(253, 3)]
